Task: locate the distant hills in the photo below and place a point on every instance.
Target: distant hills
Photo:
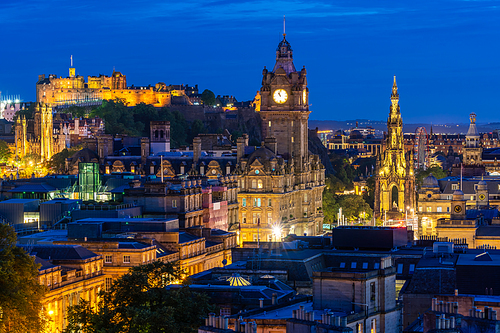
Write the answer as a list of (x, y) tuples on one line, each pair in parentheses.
[(381, 126)]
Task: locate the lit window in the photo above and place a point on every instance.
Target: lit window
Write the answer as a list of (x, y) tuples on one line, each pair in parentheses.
[(439, 209), (258, 202), (244, 202), (108, 259), (429, 209), (126, 259), (109, 282), (259, 184), (454, 187), (174, 203)]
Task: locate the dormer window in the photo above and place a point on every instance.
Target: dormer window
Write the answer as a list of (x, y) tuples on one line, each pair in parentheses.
[(259, 183)]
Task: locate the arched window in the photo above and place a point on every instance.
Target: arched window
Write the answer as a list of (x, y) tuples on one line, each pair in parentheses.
[(254, 183), (259, 184)]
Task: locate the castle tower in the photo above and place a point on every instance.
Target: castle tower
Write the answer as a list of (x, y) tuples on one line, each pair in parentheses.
[(284, 108), (395, 179), (160, 136), (72, 70), (473, 150)]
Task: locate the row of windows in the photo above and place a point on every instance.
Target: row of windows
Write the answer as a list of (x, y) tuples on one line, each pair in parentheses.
[(108, 259), (364, 265), (439, 209), (257, 202)]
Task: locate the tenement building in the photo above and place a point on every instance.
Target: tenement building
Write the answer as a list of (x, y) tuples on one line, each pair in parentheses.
[(395, 178), (281, 183)]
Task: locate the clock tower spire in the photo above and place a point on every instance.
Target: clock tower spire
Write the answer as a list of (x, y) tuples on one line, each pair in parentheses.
[(284, 108)]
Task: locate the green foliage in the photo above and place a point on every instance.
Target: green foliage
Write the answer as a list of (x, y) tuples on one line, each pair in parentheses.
[(369, 195), (118, 118), (352, 205), (135, 121), (77, 111), (57, 163), (138, 302), (197, 127), (28, 113), (343, 170), (20, 293), (434, 169), (208, 97), (5, 153)]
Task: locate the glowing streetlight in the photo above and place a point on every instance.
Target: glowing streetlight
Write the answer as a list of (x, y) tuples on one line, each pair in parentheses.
[(277, 231)]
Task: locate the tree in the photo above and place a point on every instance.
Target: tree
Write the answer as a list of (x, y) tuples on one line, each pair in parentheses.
[(139, 302), (197, 127), (57, 163), (20, 292), (77, 111), (118, 118), (208, 97), (354, 207), (436, 171), (5, 153)]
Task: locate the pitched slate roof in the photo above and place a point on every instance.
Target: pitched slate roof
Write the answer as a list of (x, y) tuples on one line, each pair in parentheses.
[(38, 188), (62, 252)]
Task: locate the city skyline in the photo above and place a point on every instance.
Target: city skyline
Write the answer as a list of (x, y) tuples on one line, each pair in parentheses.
[(442, 55)]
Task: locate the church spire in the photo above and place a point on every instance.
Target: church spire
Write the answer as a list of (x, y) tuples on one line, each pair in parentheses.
[(394, 98)]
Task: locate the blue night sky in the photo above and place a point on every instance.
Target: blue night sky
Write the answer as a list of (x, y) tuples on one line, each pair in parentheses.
[(445, 53)]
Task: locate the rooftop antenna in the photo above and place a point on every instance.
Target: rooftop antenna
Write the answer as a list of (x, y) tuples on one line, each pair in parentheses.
[(71, 58)]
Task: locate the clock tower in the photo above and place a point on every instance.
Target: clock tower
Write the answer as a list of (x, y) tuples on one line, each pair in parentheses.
[(284, 108)]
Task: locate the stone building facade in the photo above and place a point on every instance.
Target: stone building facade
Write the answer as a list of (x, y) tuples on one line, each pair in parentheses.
[(281, 183), (70, 273), (395, 178)]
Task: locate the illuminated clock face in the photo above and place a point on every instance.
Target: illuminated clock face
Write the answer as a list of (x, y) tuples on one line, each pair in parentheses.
[(280, 96), (304, 96), (482, 197), (214, 172), (457, 209)]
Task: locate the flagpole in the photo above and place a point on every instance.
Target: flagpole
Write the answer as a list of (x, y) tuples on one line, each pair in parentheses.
[(258, 233), (161, 167), (461, 171)]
